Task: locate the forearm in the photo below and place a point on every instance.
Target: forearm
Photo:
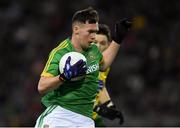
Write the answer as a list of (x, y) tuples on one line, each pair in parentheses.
[(48, 83), (109, 55), (104, 96)]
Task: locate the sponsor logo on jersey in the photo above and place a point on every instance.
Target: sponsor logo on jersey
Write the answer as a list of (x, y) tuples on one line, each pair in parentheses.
[(92, 68), (91, 56)]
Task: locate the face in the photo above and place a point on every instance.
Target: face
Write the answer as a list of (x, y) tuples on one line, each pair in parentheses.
[(101, 42), (85, 34)]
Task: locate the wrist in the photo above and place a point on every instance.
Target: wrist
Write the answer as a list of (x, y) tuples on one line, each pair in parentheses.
[(117, 43), (109, 104), (62, 78), (117, 39)]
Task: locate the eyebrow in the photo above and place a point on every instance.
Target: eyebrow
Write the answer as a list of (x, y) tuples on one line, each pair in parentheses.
[(93, 31), (92, 21)]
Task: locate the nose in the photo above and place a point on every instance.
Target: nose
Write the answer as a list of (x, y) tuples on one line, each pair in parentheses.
[(93, 36), (97, 44)]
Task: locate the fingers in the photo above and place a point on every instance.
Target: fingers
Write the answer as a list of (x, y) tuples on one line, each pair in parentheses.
[(77, 69), (68, 60), (127, 22), (79, 63), (82, 64), (82, 71), (67, 71), (120, 116), (81, 67), (67, 65), (121, 29)]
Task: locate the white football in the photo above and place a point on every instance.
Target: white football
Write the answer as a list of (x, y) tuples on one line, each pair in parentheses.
[(75, 57)]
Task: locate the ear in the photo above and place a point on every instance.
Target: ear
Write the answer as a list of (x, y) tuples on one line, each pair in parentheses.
[(76, 29)]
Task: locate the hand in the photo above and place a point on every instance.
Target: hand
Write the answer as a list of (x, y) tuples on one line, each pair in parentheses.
[(121, 29), (72, 71), (109, 111)]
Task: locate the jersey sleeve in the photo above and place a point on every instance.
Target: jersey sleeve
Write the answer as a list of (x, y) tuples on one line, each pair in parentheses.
[(103, 75), (52, 65)]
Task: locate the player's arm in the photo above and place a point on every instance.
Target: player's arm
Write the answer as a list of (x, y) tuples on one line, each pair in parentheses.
[(109, 55), (48, 84), (106, 108), (121, 29), (103, 95), (70, 71)]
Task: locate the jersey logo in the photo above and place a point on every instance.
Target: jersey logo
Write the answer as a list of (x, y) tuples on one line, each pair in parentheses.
[(91, 56), (92, 68)]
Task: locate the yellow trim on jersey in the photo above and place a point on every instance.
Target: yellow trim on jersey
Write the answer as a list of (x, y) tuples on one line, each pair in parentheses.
[(94, 116), (97, 100), (103, 75), (46, 74), (60, 46)]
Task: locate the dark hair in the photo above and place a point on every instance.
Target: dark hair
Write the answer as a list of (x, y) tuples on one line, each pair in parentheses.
[(88, 14), (104, 30)]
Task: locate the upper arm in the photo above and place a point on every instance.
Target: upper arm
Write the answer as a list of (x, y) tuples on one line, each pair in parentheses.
[(109, 55)]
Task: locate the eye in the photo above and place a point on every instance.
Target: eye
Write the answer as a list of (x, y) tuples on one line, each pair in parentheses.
[(103, 42)]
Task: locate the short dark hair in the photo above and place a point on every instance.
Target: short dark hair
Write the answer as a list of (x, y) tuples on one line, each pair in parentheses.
[(88, 14), (104, 30)]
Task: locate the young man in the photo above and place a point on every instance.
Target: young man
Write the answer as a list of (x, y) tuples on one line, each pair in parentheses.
[(70, 104), (103, 105)]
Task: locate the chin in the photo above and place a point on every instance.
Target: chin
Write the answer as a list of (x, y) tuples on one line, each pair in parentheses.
[(87, 47)]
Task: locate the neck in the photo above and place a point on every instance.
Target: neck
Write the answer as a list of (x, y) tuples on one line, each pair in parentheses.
[(75, 44)]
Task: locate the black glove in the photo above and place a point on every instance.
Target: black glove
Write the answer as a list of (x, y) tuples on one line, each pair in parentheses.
[(121, 29), (72, 71), (109, 111)]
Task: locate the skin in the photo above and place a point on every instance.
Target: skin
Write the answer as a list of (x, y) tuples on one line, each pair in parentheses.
[(102, 43), (82, 36)]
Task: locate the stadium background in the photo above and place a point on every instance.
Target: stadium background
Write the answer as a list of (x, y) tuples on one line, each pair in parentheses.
[(144, 80)]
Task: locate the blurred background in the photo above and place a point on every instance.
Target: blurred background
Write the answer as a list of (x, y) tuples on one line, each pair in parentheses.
[(144, 81)]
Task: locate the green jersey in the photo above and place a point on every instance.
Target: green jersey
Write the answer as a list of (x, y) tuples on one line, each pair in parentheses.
[(78, 96)]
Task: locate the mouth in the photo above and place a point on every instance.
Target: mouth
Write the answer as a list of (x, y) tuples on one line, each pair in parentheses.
[(90, 42)]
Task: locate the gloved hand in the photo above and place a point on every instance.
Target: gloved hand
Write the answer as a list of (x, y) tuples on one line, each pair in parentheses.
[(121, 29), (72, 71), (109, 111)]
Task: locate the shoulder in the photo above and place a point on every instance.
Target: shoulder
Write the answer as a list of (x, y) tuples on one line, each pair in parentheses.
[(62, 47)]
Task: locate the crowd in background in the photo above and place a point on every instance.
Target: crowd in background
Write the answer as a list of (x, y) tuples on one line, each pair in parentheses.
[(144, 81)]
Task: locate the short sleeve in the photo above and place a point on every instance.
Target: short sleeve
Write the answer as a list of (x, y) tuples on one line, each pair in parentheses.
[(52, 65)]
